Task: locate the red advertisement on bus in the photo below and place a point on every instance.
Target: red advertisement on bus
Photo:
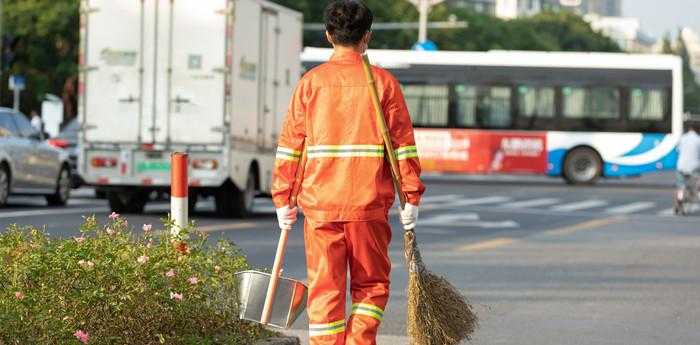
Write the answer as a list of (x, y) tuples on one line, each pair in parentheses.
[(482, 152)]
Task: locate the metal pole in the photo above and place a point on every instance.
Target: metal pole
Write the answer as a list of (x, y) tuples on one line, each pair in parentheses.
[(178, 192), (15, 101), (423, 11)]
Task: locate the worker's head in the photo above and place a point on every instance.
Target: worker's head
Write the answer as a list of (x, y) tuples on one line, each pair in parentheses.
[(348, 24)]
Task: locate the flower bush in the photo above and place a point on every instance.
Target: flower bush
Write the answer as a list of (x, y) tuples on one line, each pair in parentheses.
[(114, 285)]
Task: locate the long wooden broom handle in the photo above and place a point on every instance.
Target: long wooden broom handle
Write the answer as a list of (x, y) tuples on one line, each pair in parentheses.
[(282, 244), (381, 122)]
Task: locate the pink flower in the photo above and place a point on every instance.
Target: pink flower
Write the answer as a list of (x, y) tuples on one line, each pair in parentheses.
[(19, 295), (114, 216), (83, 336), (80, 239), (176, 296), (142, 259), (193, 280), (147, 227), (170, 273), (217, 268)]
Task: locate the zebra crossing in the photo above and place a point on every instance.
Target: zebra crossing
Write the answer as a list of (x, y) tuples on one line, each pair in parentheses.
[(553, 204)]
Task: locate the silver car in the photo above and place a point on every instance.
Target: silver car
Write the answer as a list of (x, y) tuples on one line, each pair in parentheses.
[(28, 165)]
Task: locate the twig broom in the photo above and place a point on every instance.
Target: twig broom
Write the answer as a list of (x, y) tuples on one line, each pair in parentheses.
[(438, 314)]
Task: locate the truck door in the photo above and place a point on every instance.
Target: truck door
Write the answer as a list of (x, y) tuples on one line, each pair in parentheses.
[(193, 42), (112, 63), (269, 78)]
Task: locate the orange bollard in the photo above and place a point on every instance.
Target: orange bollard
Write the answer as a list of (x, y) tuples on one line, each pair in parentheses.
[(178, 191)]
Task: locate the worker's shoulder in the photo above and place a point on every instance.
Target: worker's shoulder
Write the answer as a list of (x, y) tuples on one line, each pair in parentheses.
[(317, 73), (381, 73)]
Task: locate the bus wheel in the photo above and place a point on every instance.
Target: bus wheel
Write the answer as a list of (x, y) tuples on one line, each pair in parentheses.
[(582, 166)]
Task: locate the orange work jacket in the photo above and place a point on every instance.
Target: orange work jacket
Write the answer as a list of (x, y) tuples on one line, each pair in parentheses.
[(345, 177)]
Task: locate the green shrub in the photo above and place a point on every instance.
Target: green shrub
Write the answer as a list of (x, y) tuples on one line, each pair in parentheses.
[(111, 286)]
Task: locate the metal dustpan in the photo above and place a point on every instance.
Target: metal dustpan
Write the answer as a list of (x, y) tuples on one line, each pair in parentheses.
[(269, 298), (287, 305)]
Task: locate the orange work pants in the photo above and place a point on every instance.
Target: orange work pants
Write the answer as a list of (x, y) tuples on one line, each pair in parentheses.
[(332, 248)]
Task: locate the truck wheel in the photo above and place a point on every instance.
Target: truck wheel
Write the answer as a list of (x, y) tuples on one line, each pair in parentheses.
[(63, 188), (192, 202), (127, 201), (4, 184), (244, 200), (582, 166)]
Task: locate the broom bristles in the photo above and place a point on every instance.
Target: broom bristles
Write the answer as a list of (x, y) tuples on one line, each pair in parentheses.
[(438, 314)]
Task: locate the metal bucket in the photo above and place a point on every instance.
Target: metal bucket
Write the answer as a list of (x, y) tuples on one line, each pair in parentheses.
[(290, 299)]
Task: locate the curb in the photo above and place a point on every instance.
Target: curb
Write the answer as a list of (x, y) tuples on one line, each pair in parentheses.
[(280, 341)]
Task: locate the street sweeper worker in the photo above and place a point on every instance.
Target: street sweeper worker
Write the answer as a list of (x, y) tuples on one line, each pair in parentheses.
[(347, 188)]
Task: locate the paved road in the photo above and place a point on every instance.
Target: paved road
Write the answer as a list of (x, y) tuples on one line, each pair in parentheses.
[(543, 262)]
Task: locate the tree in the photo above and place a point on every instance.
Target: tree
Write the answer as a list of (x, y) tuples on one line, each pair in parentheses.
[(548, 31), (691, 88), (47, 48)]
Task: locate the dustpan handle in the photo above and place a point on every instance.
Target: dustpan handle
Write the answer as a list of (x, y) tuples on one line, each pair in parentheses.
[(282, 244), (384, 130)]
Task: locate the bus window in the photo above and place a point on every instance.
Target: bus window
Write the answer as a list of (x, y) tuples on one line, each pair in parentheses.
[(536, 102), (427, 104), (596, 102), (487, 107), (647, 104), (466, 105)]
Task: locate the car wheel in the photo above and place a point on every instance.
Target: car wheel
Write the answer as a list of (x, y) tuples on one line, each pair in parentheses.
[(127, 202), (582, 166), (63, 188), (4, 185)]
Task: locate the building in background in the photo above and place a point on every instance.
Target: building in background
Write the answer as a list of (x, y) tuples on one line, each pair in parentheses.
[(625, 31)]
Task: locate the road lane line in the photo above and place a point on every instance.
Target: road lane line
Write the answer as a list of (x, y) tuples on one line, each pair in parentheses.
[(591, 224), (440, 198), (227, 227), (577, 206), (531, 203), (49, 212), (487, 245), (631, 208), (667, 212)]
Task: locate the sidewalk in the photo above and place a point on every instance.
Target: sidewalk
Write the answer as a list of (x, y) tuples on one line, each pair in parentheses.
[(381, 339)]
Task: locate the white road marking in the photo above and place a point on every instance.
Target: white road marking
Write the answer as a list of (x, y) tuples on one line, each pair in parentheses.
[(481, 201), (48, 212), (577, 206), (449, 219), (466, 220), (667, 212), (440, 198), (690, 209), (531, 203), (631, 208)]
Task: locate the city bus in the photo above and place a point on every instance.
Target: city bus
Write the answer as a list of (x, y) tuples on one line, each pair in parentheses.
[(580, 116)]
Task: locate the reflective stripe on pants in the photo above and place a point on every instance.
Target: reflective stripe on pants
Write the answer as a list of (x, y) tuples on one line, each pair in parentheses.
[(330, 249)]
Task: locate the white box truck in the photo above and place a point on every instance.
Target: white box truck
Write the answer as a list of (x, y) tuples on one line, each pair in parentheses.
[(211, 78)]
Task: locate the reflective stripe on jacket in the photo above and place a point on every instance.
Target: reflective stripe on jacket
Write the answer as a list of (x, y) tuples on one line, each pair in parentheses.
[(346, 177)]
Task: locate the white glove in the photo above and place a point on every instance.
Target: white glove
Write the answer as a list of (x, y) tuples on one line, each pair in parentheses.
[(409, 216), (286, 217)]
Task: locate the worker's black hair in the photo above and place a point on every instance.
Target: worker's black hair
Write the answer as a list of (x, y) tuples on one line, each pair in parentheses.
[(347, 21)]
